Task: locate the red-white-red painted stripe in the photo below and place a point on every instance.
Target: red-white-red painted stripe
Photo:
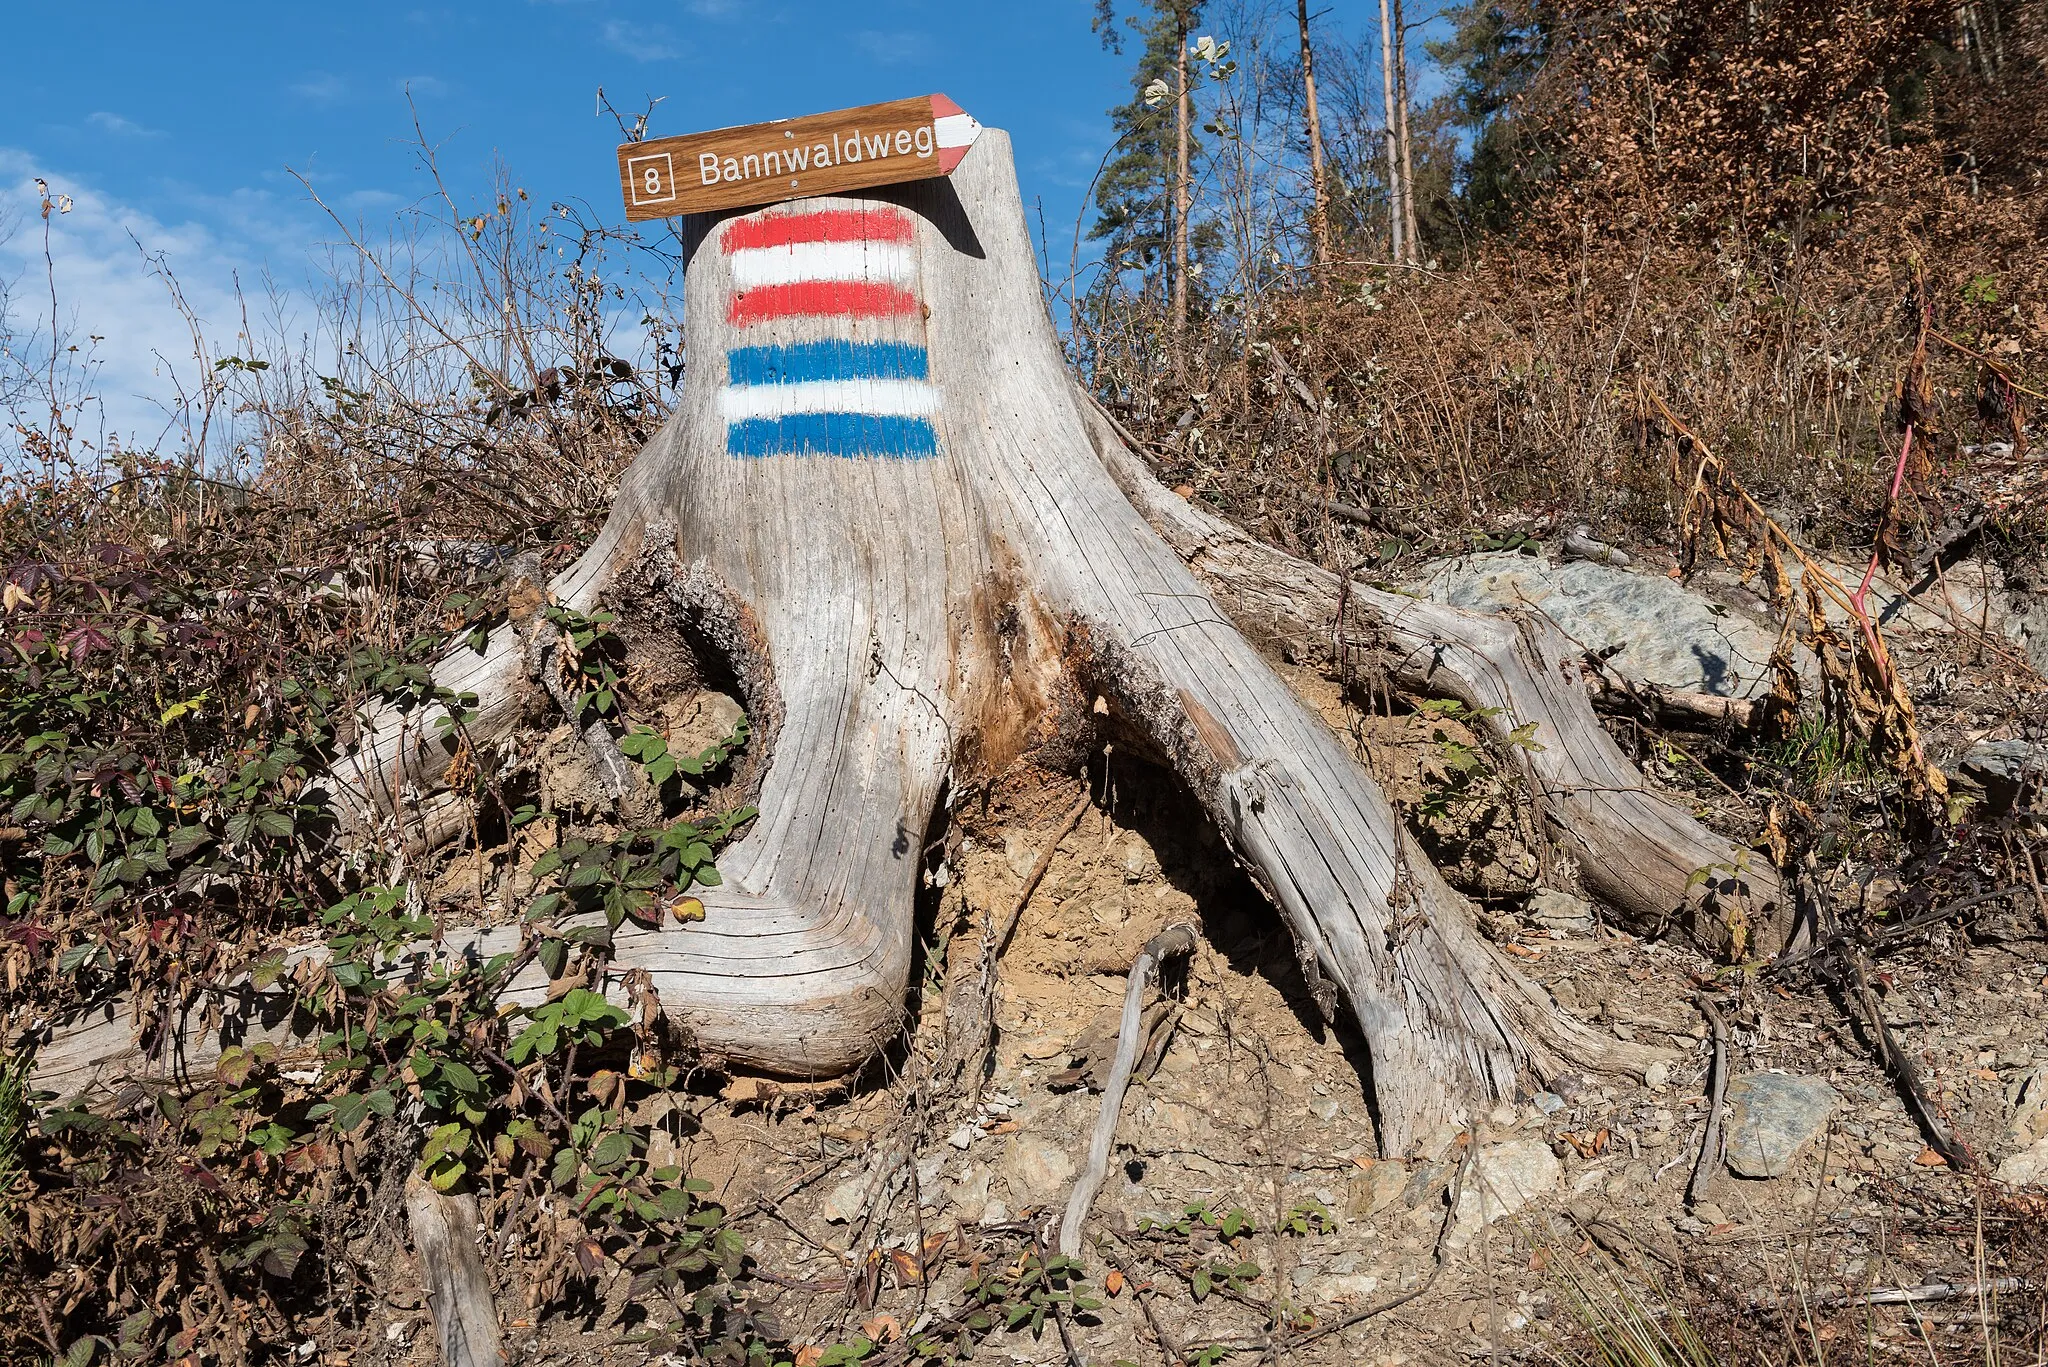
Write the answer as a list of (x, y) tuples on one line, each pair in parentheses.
[(809, 298), (889, 262), (956, 130), (827, 225)]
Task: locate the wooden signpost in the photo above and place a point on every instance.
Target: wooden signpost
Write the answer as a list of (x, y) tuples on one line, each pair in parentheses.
[(820, 154)]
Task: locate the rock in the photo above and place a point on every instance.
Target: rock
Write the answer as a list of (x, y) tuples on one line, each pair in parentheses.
[(695, 722), (2006, 774), (1352, 1286), (2027, 1168), (1668, 634), (1571, 1087), (969, 1195), (1019, 853), (929, 1190), (847, 1199), (1657, 1075), (2029, 1098), (1139, 860), (1325, 1108), (1038, 1170), (1772, 1117), (1560, 913), (1550, 1103), (1378, 1187), (1503, 1179)]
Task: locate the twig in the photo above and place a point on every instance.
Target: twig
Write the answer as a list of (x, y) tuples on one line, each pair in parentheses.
[(1925, 921), (1059, 1318), (1904, 1295), (1443, 1234), (1142, 1293), (1710, 1142), (614, 771), (1902, 1068), (1170, 943), (976, 1015), (1052, 846)]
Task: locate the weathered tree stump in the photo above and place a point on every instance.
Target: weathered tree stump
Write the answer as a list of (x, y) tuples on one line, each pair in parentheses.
[(884, 506)]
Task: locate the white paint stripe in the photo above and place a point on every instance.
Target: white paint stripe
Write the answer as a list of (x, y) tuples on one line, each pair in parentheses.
[(881, 262), (883, 398), (957, 130)]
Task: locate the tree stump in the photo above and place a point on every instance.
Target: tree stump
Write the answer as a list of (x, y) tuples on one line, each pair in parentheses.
[(881, 504)]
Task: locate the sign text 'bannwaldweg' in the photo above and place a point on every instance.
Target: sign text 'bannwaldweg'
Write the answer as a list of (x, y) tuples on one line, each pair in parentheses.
[(820, 154)]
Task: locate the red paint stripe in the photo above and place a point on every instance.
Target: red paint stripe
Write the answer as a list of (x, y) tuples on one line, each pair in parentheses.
[(829, 225), (941, 107), (852, 298)]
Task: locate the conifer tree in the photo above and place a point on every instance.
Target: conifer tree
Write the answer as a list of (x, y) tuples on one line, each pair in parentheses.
[(1145, 202)]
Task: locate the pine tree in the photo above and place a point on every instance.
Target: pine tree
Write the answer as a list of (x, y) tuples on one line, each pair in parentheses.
[(1495, 51), (1145, 203), (1134, 198)]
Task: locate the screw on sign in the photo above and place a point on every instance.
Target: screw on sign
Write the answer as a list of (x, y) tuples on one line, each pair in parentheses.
[(820, 154)]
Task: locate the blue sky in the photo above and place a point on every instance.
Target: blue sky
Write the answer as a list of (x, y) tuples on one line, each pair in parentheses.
[(177, 127)]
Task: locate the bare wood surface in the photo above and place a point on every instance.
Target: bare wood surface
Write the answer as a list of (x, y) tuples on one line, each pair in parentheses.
[(902, 617), (1638, 850), (679, 188), (1170, 943), (1710, 1141), (458, 1288)]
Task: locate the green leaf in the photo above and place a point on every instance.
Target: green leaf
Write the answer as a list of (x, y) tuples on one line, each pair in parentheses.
[(610, 1151), (350, 1111), (77, 956)]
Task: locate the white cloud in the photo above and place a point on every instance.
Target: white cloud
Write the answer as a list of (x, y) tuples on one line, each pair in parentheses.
[(371, 201), (120, 127), (105, 290), (641, 42), (893, 48), (320, 87)]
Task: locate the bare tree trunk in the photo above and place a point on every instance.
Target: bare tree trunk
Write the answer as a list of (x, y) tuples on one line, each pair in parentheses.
[(458, 1288), (1318, 179), (1396, 219), (900, 533), (1411, 239), (1183, 196)]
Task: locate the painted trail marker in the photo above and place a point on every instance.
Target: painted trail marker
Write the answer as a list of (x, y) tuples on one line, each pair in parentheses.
[(820, 154)]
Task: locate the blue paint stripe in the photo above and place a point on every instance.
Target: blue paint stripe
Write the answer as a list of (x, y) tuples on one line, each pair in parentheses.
[(835, 359), (833, 434)]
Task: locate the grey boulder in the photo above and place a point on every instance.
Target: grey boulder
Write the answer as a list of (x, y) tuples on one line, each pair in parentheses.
[(1772, 1117)]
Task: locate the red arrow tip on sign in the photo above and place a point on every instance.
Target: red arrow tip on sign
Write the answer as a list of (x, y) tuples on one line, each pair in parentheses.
[(956, 130)]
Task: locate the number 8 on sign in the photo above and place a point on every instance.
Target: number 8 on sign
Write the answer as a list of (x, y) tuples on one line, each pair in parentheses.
[(652, 178)]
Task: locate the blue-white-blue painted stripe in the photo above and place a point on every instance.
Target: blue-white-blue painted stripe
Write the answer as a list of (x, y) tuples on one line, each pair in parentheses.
[(833, 434), (836, 359), (883, 398)]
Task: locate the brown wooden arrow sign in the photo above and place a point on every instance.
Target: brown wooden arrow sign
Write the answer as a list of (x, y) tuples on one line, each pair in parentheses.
[(820, 154)]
